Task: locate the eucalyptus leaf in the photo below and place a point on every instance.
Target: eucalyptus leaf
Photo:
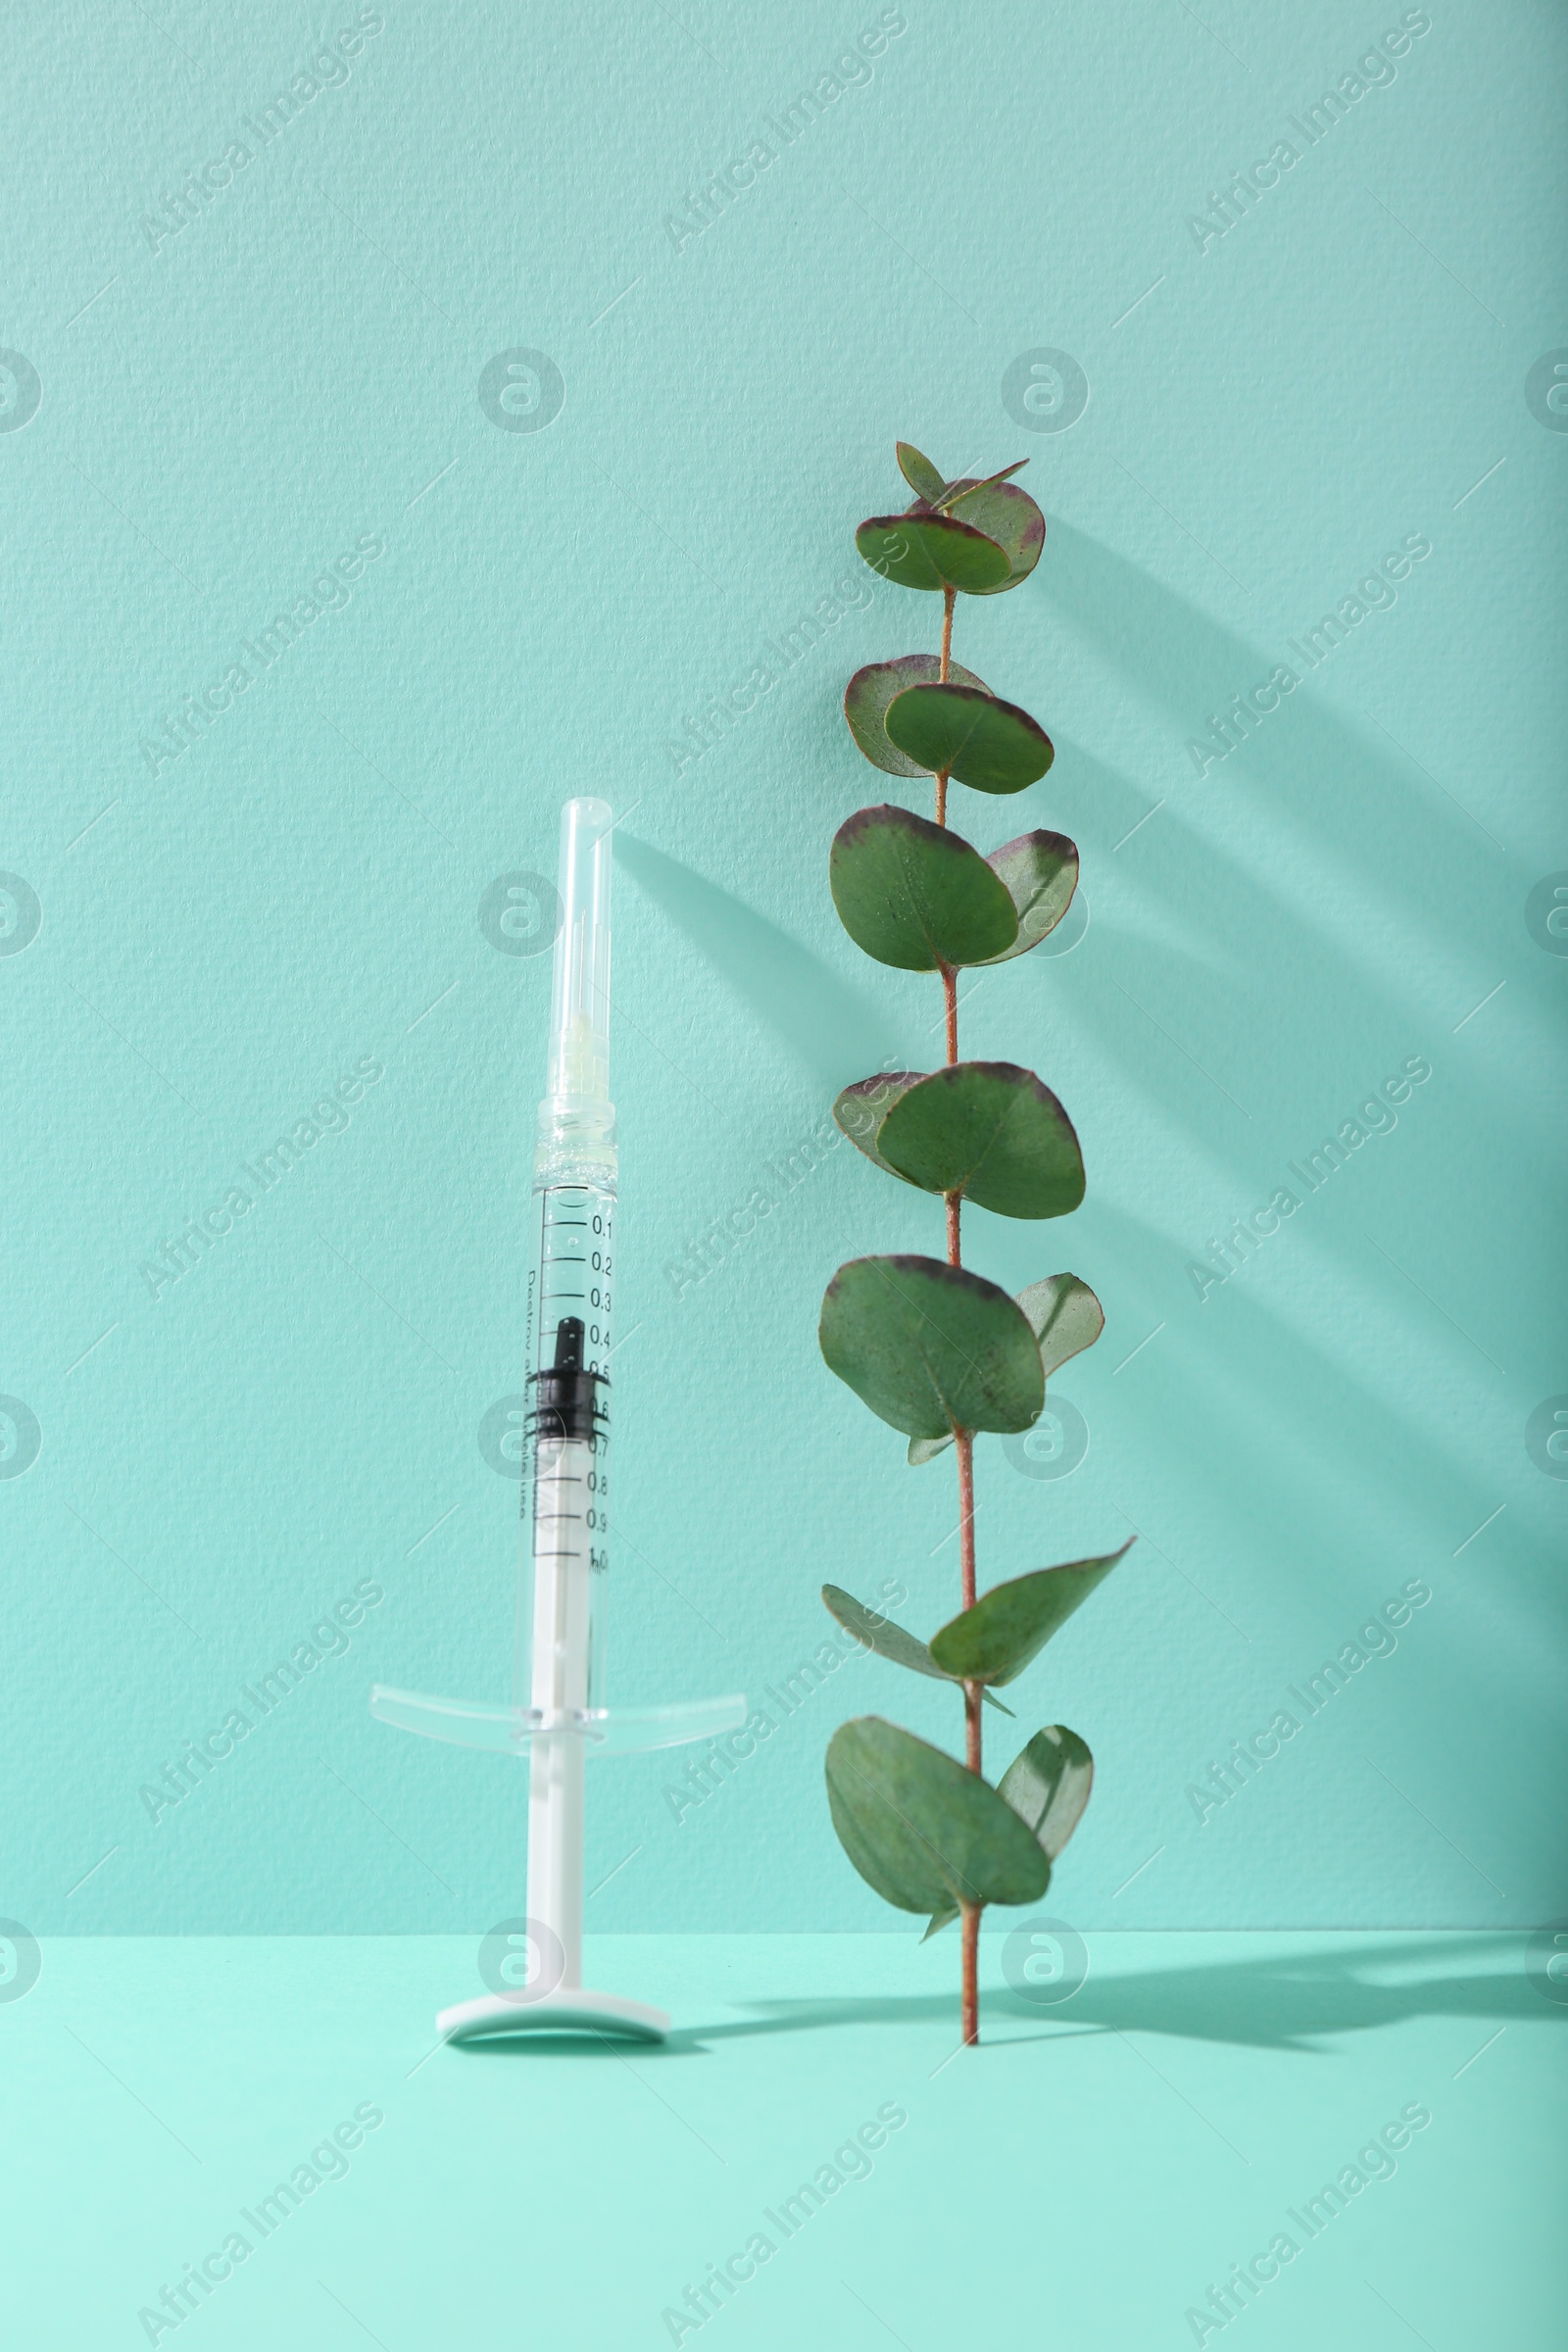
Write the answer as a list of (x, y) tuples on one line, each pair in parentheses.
[(1048, 1785), (976, 738), (916, 894), (889, 1641), (933, 551), (1064, 1316), (1007, 515), (968, 487), (1041, 873), (919, 473), (861, 1109), (1009, 1626), (926, 1450), (924, 1832), (871, 689), (880, 1634), (931, 1347), (939, 1921), (991, 1132)]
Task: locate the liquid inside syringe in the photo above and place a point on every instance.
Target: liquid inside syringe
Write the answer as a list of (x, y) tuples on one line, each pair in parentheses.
[(576, 1268), (567, 1524)]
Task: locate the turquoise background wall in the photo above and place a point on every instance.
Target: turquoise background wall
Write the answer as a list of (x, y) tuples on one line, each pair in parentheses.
[(199, 419)]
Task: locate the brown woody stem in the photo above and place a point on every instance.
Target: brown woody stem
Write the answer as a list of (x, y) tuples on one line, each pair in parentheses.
[(972, 1703), (948, 595), (964, 1438)]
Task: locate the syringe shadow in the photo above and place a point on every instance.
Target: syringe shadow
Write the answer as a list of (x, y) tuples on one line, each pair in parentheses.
[(836, 1029)]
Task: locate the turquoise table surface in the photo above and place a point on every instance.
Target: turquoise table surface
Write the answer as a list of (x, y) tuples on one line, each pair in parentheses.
[(1085, 2179)]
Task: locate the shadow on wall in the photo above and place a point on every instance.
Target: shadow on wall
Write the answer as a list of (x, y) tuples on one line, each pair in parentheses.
[(1184, 660), (1373, 1450), (1306, 770), (1191, 664), (838, 1032)]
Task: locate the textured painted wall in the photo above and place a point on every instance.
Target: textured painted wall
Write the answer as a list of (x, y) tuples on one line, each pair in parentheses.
[(289, 391)]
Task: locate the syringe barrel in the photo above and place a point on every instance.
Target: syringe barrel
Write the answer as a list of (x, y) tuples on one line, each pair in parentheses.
[(566, 1460), (567, 1493), (566, 1536)]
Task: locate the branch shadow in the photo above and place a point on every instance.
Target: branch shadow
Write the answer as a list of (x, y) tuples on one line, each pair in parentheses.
[(836, 1029), (1288, 2002), (1292, 2001)]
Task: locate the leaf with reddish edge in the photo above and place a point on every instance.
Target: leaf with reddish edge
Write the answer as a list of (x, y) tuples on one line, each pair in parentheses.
[(968, 485), (870, 692), (916, 894), (976, 738), (919, 473), (861, 1109), (1008, 515), (989, 1131), (1064, 1316), (1041, 872), (921, 549), (930, 1346)]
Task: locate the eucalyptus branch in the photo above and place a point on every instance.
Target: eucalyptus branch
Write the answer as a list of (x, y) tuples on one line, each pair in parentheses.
[(933, 1348)]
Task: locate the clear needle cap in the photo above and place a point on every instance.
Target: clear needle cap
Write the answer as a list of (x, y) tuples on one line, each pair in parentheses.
[(579, 1025)]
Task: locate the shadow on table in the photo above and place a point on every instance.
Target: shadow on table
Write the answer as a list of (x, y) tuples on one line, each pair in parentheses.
[(1282, 2001), (1285, 2001)]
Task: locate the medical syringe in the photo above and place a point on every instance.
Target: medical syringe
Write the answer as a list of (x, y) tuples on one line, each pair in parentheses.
[(564, 1531), (557, 1716)]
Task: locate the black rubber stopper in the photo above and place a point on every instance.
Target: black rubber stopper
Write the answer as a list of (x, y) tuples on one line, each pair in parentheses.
[(566, 1401)]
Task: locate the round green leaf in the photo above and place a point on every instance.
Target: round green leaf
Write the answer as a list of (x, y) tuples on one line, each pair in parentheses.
[(931, 1347), (1064, 1316), (989, 1131), (995, 1640), (1041, 872), (1049, 1784), (988, 744), (916, 894), (862, 1108), (933, 551), (919, 473), (1009, 516), (922, 1831), (871, 689)]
